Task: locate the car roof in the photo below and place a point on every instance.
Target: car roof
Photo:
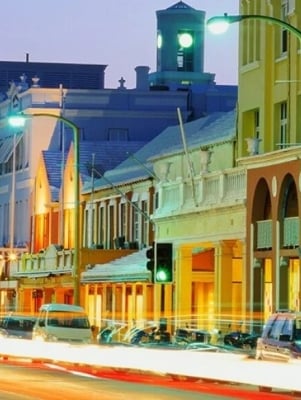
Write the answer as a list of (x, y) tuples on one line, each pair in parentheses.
[(14, 316), (61, 307)]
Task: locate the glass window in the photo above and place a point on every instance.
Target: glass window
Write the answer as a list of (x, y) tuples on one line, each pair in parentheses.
[(277, 328)]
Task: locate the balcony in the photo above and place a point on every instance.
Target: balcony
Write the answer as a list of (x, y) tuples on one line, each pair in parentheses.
[(216, 189), (53, 261), (290, 229)]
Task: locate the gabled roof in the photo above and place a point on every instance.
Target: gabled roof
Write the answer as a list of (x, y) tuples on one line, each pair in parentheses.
[(210, 130)]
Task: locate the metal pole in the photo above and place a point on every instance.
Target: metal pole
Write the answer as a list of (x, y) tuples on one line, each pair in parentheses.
[(76, 259)]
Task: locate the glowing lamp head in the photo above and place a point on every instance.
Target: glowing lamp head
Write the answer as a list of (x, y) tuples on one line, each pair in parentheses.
[(218, 27), (16, 121), (220, 23)]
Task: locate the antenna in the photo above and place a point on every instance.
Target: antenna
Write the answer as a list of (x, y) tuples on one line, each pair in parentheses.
[(190, 166)]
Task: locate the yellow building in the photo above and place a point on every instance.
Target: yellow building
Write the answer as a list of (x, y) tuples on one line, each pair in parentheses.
[(269, 119)]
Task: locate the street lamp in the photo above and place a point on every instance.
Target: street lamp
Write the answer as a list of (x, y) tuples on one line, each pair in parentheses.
[(19, 121), (219, 24)]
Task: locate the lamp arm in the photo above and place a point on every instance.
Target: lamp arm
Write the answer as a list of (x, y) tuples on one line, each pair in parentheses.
[(230, 19), (273, 20)]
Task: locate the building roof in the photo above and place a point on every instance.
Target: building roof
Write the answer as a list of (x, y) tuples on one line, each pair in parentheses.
[(108, 154), (53, 163), (207, 131), (180, 5)]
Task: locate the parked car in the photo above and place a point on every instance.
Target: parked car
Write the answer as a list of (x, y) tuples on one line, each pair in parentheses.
[(62, 322), (281, 337), (189, 335), (19, 326), (241, 340)]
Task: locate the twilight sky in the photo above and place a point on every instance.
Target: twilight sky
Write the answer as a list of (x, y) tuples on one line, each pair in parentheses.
[(118, 33)]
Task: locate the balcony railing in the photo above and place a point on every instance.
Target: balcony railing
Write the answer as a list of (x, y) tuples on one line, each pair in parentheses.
[(291, 232), (40, 263), (290, 229), (264, 235), (217, 188)]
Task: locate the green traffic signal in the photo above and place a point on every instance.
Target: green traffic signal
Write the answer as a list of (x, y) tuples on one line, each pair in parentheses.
[(163, 275), (163, 263)]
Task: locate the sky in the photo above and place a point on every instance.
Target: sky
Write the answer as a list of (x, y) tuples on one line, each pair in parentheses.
[(118, 33)]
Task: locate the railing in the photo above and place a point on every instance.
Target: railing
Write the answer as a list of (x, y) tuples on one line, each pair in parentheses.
[(264, 234), (39, 263), (217, 188), (291, 232)]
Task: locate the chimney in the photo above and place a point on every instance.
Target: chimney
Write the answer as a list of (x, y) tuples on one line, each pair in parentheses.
[(142, 77)]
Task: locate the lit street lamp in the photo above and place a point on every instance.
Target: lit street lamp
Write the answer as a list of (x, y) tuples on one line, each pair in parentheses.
[(19, 121), (219, 24)]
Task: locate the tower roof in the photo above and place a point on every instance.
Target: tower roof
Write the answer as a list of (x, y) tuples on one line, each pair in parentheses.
[(180, 5)]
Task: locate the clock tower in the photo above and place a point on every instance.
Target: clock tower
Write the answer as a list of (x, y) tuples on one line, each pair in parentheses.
[(180, 47)]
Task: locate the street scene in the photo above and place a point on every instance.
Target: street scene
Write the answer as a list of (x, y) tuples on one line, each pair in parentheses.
[(150, 229)]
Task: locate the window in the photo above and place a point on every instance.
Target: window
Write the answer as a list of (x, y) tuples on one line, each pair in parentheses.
[(101, 239), (283, 125), (284, 33), (123, 219), (144, 222), (111, 224), (277, 328), (288, 7), (135, 223)]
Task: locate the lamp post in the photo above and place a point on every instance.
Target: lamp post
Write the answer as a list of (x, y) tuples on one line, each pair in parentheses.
[(19, 121), (219, 24)]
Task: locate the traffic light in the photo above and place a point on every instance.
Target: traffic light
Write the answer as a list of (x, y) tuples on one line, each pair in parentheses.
[(163, 263), (150, 264)]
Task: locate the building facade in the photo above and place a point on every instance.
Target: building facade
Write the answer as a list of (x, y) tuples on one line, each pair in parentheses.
[(269, 119)]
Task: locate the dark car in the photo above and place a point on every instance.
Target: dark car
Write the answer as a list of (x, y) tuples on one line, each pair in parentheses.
[(188, 335), (18, 326), (281, 337), (241, 340)]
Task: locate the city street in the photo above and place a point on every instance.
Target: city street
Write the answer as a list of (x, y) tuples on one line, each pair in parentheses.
[(36, 381)]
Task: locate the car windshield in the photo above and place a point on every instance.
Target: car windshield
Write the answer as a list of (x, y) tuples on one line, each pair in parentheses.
[(65, 319), (19, 324)]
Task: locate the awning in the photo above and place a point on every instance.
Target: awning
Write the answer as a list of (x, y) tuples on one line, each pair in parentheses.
[(131, 268)]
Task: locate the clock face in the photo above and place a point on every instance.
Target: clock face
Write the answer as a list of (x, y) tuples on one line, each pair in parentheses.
[(185, 39), (159, 41)]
